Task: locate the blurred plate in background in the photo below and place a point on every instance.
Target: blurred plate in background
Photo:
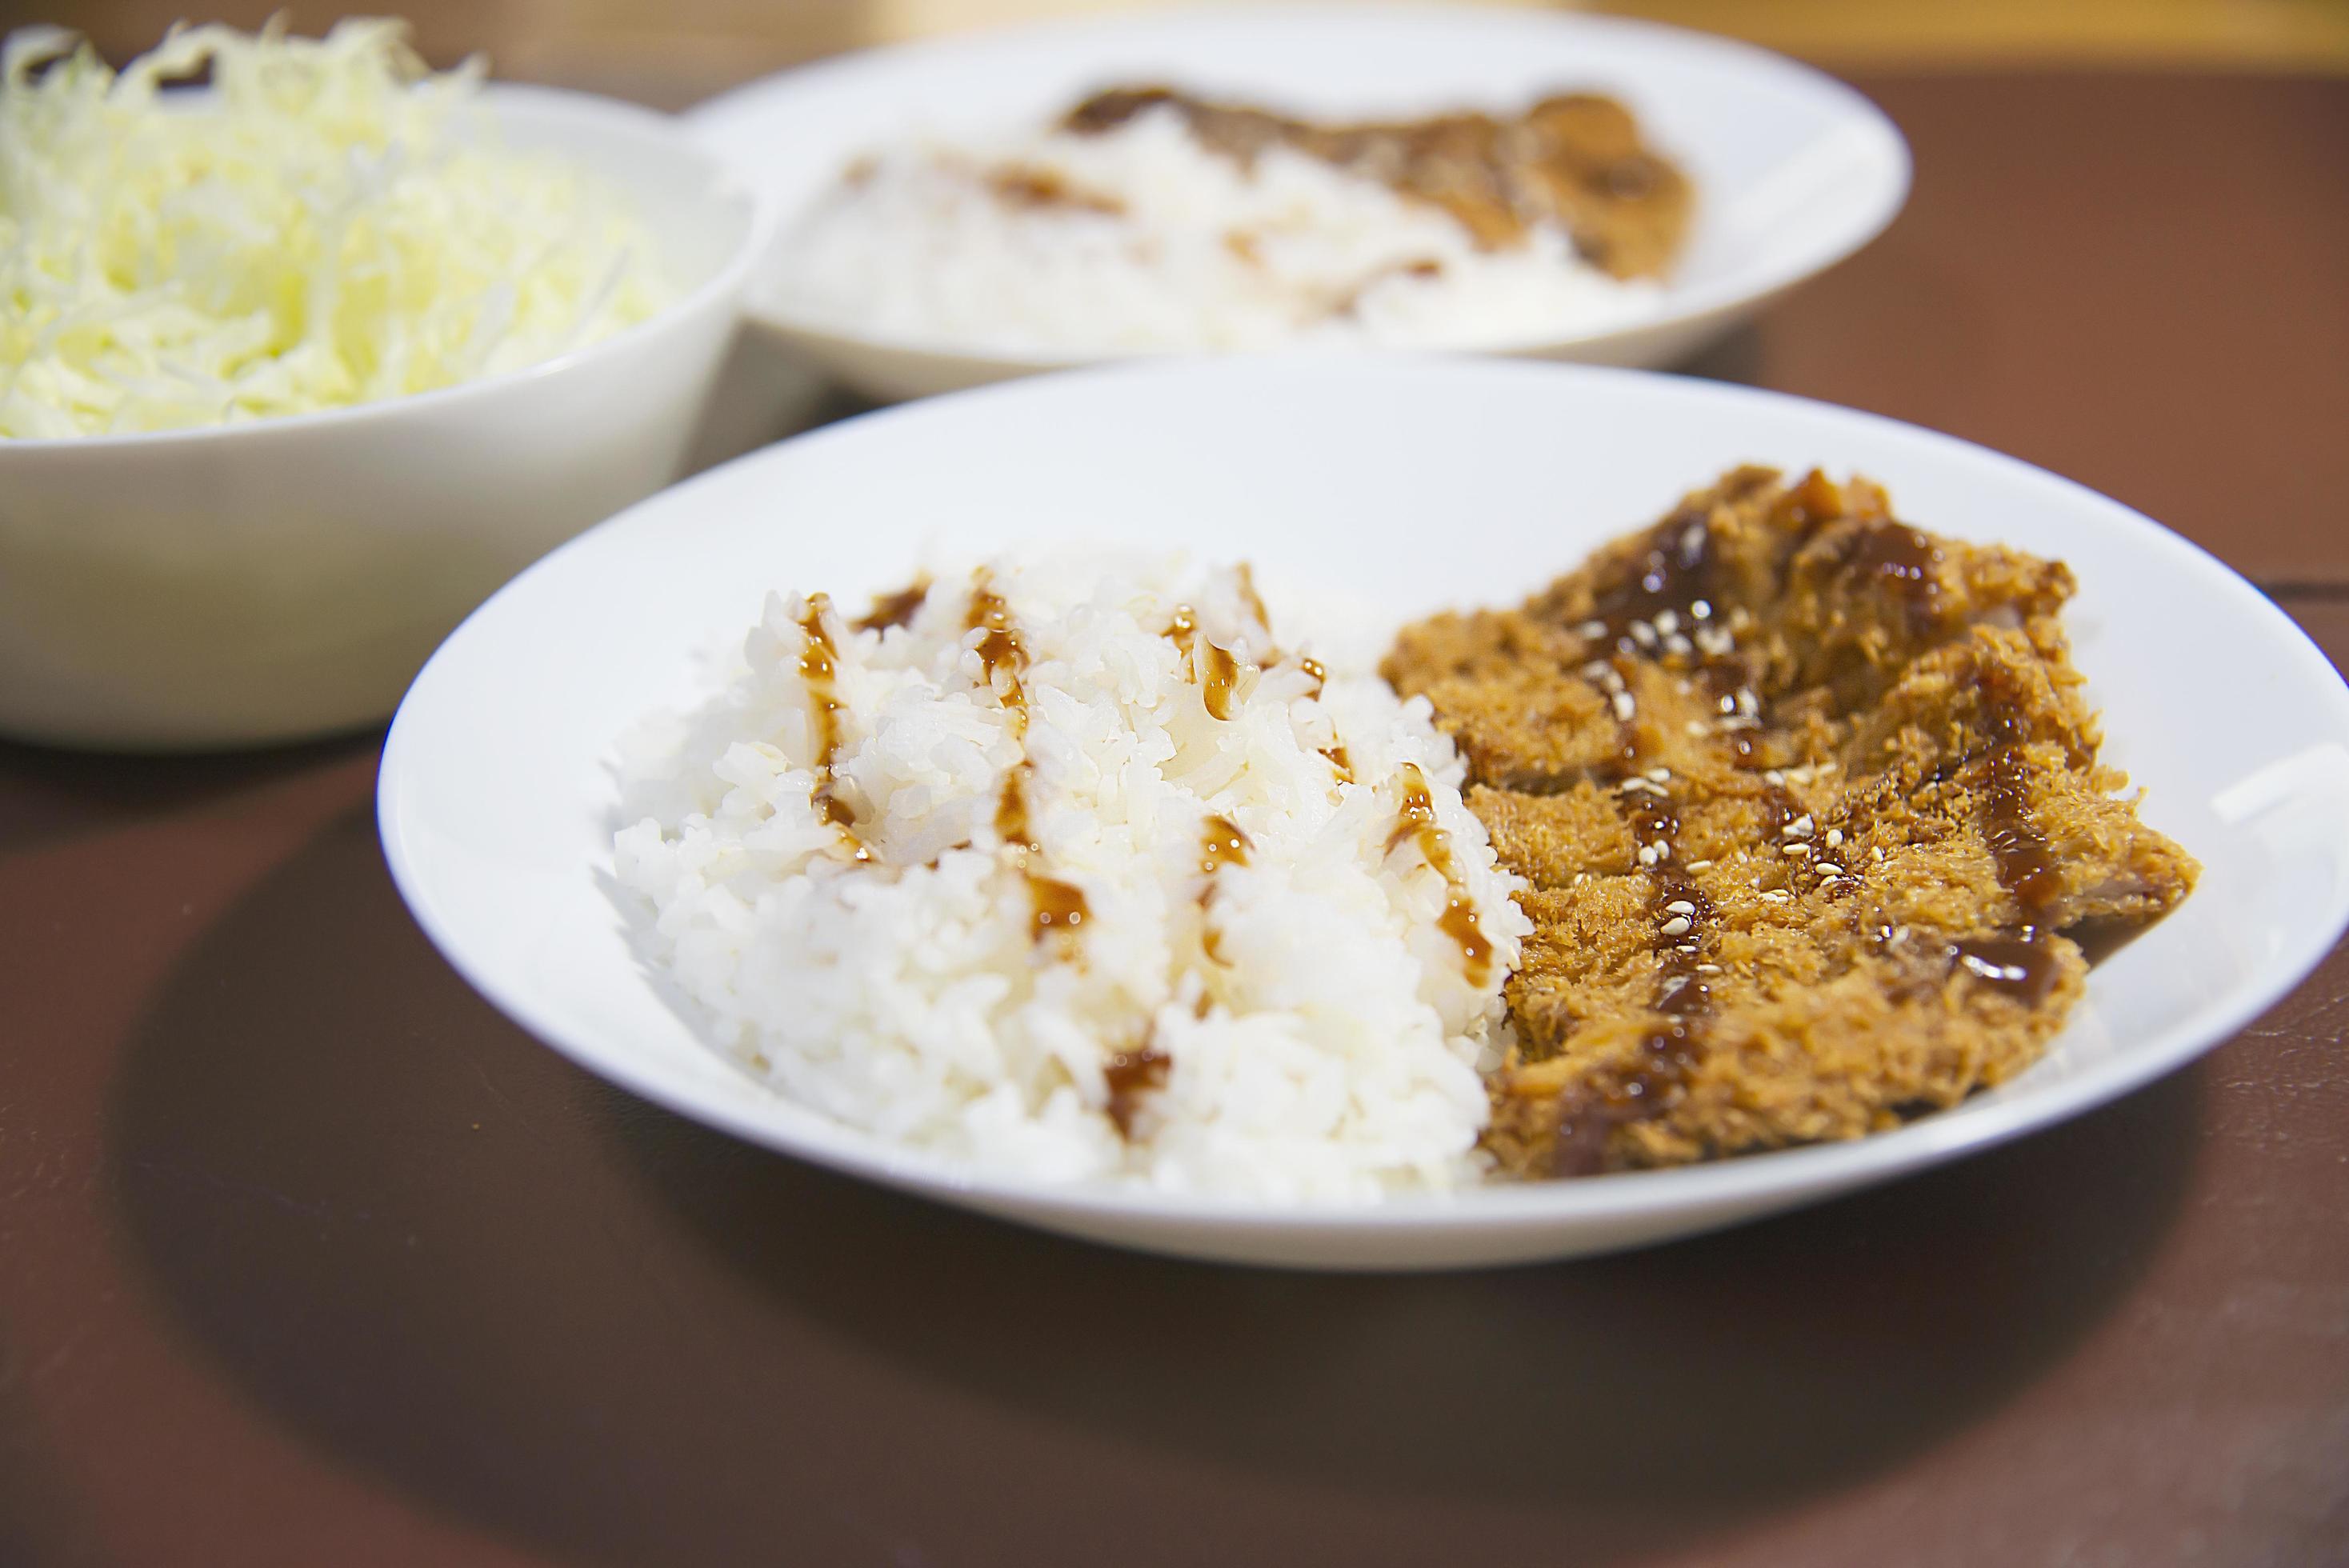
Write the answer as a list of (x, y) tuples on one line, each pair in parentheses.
[(1793, 169)]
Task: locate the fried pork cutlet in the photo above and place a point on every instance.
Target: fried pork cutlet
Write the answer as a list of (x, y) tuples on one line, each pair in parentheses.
[(1575, 160), (1810, 804)]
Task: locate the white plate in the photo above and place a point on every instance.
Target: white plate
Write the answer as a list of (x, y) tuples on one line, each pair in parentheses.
[(1794, 171), (1415, 483)]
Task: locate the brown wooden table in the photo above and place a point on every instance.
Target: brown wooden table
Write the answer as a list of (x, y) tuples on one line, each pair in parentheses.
[(306, 1256)]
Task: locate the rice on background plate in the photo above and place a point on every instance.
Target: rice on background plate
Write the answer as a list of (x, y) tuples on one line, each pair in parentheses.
[(1080, 874), (1141, 238)]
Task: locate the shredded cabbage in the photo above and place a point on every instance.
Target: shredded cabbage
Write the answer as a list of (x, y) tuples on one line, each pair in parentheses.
[(330, 223)]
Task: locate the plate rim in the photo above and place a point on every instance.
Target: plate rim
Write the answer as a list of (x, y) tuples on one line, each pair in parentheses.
[(1742, 289), (1744, 1184)]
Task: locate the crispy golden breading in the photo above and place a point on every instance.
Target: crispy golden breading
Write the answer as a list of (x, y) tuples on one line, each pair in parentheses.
[(1808, 799)]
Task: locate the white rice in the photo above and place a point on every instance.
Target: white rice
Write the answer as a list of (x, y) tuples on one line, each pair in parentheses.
[(1322, 1034), (1206, 255)]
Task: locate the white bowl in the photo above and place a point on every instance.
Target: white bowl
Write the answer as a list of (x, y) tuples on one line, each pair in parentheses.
[(286, 577), (1794, 171), (1413, 484)]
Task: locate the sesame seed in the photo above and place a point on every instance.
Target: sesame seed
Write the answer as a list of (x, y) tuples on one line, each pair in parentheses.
[(1597, 670), (1696, 726), (1794, 849), (1746, 701), (1680, 906), (1679, 645), (1708, 968), (1660, 774), (1624, 707), (1775, 895), (1676, 926), (1834, 837), (1702, 610), (1643, 633), (1593, 629), (1773, 777), (1900, 934), (1667, 623), (1800, 828), (1647, 856), (1876, 854), (1663, 851), (1688, 947), (1699, 865), (1828, 868)]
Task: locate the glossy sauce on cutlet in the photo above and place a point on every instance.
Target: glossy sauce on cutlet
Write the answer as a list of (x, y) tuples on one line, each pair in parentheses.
[(1678, 569), (2025, 864), (2022, 967), (1679, 914), (2020, 963), (1903, 563)]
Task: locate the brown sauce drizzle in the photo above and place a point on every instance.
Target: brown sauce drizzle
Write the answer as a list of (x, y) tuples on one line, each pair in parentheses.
[(1011, 809), (1129, 1076), (1023, 185), (1221, 844), (1181, 629), (896, 609), (1219, 671), (1058, 906), (1218, 677), (1778, 809), (1681, 998), (1460, 919), (1000, 648), (2020, 963), (1901, 561), (819, 673), (2025, 864), (1336, 754), (2022, 966), (1318, 673), (1810, 504), (1246, 573), (1676, 569)]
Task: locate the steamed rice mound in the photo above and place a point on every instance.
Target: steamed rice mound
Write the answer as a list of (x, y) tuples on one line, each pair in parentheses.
[(1272, 966)]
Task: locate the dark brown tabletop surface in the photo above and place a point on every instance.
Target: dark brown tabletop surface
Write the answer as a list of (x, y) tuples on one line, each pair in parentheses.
[(307, 1256)]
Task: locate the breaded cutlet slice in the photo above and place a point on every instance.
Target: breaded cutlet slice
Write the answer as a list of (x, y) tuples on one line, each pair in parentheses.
[(1808, 799)]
